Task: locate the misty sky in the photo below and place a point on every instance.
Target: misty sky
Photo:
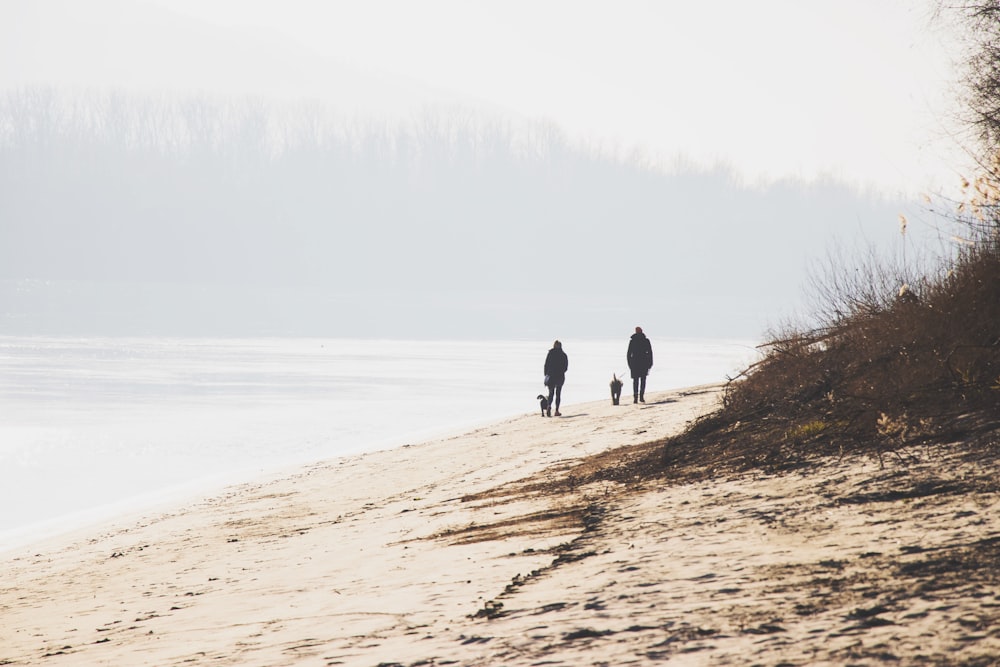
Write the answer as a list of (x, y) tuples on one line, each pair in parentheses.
[(851, 100), (856, 89)]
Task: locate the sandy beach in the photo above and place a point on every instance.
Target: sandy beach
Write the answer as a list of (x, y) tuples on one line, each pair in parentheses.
[(452, 552)]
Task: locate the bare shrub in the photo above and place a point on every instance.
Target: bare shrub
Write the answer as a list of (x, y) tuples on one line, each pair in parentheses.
[(882, 377)]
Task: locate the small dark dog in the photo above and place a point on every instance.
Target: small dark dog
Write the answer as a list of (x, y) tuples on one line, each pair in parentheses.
[(616, 389), (544, 404)]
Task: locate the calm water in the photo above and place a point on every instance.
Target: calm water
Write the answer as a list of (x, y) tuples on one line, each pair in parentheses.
[(92, 427)]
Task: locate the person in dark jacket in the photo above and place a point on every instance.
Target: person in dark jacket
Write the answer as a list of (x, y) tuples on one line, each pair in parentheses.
[(556, 365), (640, 360)]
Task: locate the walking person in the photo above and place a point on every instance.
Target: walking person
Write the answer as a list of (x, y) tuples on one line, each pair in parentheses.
[(556, 365), (640, 360)]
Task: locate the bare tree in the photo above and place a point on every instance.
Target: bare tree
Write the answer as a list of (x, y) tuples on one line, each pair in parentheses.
[(982, 20), (980, 210)]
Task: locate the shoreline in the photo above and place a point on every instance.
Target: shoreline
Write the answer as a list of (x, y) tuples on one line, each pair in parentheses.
[(179, 496), (256, 550), (187, 493), (452, 551), (97, 424)]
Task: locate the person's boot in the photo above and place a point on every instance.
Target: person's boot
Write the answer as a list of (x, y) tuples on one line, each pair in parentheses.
[(635, 398), (642, 399)]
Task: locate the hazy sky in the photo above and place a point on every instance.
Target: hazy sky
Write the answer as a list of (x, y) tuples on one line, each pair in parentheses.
[(857, 89), (798, 98)]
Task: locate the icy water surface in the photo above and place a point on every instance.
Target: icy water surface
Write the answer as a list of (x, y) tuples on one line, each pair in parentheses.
[(96, 426)]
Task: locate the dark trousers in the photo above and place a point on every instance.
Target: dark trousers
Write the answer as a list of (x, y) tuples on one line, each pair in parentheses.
[(639, 385), (555, 389)]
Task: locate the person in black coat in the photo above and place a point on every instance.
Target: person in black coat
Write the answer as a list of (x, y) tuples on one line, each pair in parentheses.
[(556, 365), (640, 360)]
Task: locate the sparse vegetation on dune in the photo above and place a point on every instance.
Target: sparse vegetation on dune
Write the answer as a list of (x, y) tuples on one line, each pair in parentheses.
[(923, 368), (884, 379)]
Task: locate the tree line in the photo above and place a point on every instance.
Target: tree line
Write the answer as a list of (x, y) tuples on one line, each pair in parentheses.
[(225, 191)]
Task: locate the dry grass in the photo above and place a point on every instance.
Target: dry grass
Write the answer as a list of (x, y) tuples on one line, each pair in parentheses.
[(885, 379)]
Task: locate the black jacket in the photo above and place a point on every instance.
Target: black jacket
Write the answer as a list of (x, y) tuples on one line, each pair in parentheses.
[(640, 355), (556, 365)]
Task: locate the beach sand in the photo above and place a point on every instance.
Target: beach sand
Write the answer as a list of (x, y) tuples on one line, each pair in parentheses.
[(452, 552)]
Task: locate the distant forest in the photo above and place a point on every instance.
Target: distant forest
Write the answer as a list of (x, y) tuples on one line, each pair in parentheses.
[(123, 209)]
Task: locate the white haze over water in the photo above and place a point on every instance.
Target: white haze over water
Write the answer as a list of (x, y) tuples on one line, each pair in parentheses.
[(99, 426), (440, 169)]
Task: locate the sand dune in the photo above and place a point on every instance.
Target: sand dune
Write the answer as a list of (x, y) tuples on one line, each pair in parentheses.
[(437, 553)]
